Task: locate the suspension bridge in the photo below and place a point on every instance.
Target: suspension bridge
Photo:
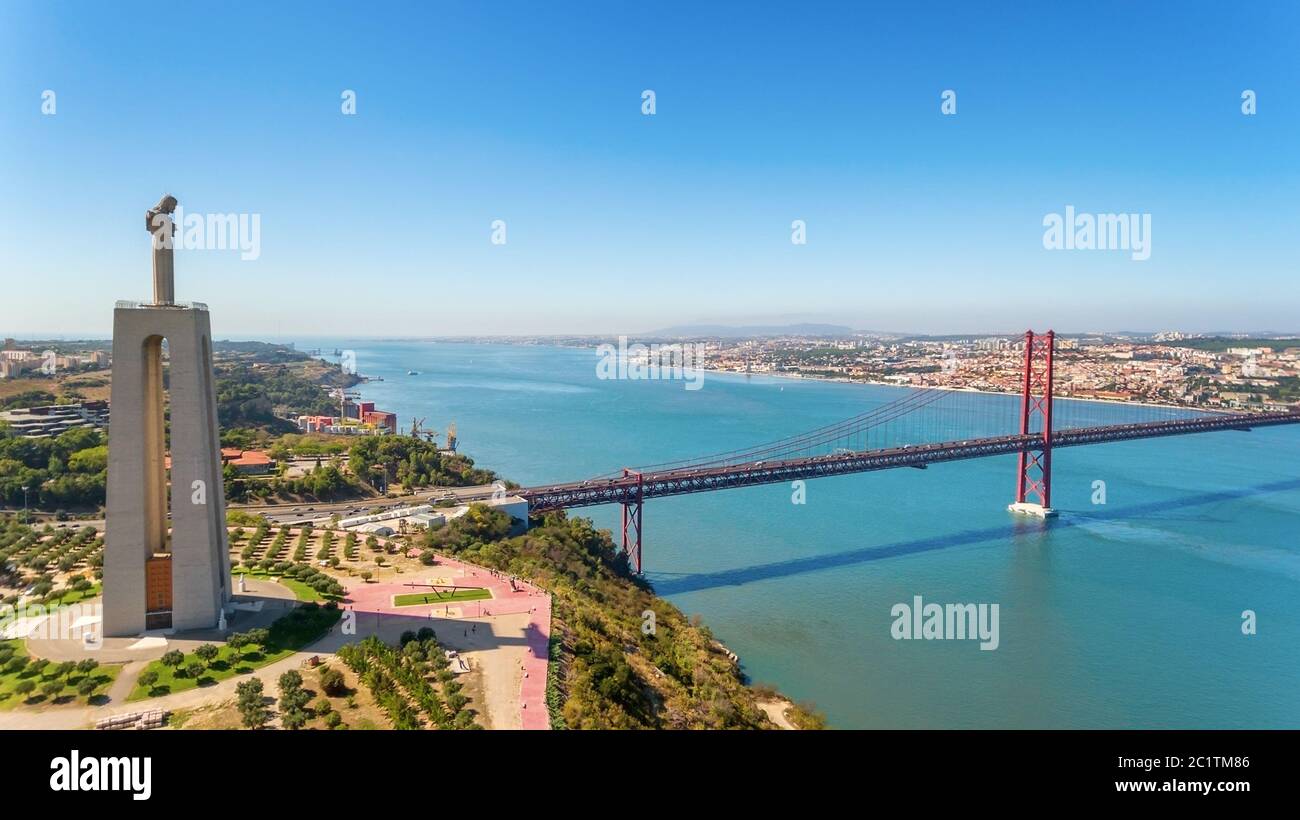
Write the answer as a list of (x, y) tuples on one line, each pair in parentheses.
[(916, 430)]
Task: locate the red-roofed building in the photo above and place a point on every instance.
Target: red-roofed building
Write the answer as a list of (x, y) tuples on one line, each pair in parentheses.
[(248, 462), (381, 419)]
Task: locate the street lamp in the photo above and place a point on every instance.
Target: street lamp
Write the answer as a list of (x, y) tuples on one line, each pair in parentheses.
[(24, 505)]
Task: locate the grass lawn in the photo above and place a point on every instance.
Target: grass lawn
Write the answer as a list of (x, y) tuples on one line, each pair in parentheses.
[(290, 633), (74, 596), (303, 592), (103, 677), (226, 665), (436, 596), (300, 590)]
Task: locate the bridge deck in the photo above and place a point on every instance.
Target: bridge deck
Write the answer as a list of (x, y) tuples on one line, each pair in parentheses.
[(707, 479)]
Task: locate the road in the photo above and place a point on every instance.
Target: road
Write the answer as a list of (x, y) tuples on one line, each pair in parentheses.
[(320, 513), (316, 513)]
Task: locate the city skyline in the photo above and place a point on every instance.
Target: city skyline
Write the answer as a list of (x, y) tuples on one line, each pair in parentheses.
[(621, 222)]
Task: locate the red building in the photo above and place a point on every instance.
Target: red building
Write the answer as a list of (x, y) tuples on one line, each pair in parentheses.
[(379, 418)]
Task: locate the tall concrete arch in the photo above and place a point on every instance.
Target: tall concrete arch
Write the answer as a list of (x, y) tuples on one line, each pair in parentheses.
[(156, 577)]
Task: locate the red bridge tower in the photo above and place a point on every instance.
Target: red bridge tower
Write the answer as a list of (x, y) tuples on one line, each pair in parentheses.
[(1034, 477)]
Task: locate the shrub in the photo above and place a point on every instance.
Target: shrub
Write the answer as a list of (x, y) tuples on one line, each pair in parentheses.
[(333, 683), (464, 719)]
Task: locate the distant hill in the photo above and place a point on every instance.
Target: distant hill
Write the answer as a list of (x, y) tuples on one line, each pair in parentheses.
[(732, 331)]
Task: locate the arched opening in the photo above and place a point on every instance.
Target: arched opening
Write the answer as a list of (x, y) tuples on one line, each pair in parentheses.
[(157, 506)]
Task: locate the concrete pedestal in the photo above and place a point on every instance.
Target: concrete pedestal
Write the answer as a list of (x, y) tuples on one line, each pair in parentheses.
[(1036, 510)]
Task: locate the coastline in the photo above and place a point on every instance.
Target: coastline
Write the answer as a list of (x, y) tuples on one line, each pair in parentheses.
[(875, 382), (829, 380)]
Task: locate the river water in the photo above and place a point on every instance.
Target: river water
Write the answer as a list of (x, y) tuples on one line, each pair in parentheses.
[(1122, 614)]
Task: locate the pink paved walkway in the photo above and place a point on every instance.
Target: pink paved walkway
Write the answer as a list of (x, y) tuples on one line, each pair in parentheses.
[(524, 597)]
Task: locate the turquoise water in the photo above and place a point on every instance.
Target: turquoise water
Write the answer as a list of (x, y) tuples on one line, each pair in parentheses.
[(1126, 614)]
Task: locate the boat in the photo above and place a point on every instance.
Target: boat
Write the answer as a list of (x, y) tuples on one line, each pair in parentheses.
[(412, 372)]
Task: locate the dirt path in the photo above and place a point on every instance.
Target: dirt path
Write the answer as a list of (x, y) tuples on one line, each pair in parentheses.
[(775, 711), (497, 650)]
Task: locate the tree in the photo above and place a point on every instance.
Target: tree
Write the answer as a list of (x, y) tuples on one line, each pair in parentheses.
[(206, 653), (290, 681), (87, 666), (86, 688), (293, 719), (366, 575), (293, 699), (252, 710), (25, 687), (147, 678), (174, 658), (193, 669), (38, 665), (237, 642), (51, 688)]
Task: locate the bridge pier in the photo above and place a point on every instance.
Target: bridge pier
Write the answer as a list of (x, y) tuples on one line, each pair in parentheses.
[(1030, 508), (632, 523)]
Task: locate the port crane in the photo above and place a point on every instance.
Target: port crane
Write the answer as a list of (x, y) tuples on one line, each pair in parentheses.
[(418, 431)]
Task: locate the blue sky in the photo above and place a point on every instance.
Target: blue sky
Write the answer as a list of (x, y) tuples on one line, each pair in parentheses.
[(380, 223)]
